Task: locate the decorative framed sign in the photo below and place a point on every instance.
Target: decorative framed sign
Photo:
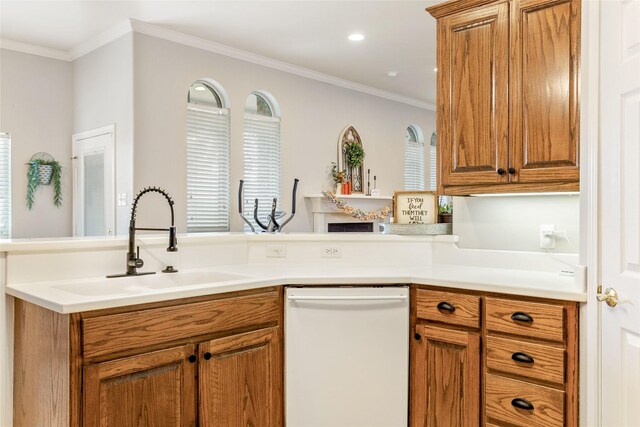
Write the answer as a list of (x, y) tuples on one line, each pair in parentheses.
[(415, 207)]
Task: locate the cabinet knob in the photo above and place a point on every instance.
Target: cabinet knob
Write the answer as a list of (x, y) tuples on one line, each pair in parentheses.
[(518, 356), (521, 317), (512, 171), (417, 336), (501, 171), (522, 404), (193, 358), (207, 356), (445, 306)]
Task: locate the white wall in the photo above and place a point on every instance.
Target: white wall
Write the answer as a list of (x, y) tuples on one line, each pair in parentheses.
[(513, 222), (313, 115), (36, 109), (103, 95)]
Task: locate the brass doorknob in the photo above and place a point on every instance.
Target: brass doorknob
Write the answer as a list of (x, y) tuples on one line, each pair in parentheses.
[(610, 296)]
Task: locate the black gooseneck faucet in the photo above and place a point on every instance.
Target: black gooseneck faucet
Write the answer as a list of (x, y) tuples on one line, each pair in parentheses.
[(133, 254)]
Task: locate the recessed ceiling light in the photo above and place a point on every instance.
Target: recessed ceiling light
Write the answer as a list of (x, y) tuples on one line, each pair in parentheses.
[(392, 73), (356, 37), (435, 70)]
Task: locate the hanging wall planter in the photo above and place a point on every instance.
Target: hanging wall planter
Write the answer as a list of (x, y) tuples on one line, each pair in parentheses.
[(44, 170)]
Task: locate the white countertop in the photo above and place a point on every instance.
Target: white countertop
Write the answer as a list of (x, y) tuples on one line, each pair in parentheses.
[(70, 296)]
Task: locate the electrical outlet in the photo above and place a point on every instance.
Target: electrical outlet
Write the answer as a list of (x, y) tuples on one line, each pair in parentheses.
[(331, 252), (547, 236), (276, 251)]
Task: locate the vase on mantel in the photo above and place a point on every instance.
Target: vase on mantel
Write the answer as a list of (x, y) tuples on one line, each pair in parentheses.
[(339, 188)]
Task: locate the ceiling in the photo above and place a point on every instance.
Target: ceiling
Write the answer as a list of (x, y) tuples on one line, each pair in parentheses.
[(400, 35)]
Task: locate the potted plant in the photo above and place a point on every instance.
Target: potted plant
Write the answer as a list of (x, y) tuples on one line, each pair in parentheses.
[(354, 155), (445, 213), (44, 172), (337, 176)]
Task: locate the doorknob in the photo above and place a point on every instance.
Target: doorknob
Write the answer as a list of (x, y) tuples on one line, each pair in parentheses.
[(610, 296)]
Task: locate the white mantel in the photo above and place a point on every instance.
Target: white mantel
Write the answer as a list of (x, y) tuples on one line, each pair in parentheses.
[(325, 211)]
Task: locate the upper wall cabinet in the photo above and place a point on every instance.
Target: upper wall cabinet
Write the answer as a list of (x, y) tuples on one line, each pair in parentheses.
[(508, 95)]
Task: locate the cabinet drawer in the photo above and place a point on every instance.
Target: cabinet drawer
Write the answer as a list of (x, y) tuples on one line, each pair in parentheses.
[(504, 394), (528, 319), (124, 331), (448, 307), (536, 361)]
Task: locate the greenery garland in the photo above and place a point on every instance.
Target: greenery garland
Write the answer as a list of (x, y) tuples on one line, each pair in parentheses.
[(356, 213), (33, 181)]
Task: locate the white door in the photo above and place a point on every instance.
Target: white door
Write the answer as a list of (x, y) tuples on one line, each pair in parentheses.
[(94, 182), (620, 198)]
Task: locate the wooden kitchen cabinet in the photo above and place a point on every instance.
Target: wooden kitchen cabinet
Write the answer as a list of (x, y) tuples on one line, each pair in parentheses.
[(153, 389), (487, 359), (507, 104), (240, 380), (214, 360), (445, 377)]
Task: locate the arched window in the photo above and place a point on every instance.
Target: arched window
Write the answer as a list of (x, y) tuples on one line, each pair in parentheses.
[(261, 153), (207, 157), (414, 154)]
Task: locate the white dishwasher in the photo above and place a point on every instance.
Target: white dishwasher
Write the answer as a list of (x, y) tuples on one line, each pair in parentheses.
[(347, 356)]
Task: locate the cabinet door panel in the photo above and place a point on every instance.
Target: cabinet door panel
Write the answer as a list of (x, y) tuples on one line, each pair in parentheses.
[(472, 90), (240, 380), (544, 88), (446, 378), (152, 390)]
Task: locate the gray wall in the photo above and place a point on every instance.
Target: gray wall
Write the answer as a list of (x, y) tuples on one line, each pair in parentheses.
[(103, 95), (313, 115), (36, 109)]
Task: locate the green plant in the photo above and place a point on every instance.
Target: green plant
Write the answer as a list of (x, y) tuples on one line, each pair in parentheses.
[(337, 176), (355, 154), (446, 208), (33, 181)]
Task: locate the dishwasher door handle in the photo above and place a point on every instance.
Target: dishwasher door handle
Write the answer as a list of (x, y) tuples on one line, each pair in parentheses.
[(347, 298)]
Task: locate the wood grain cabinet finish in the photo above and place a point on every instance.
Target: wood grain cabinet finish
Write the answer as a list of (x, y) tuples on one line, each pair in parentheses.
[(507, 104), (208, 361), (449, 307), (446, 378), (516, 366), (155, 389), (240, 380)]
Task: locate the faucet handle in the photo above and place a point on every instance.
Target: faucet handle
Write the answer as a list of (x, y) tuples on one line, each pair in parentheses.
[(136, 262)]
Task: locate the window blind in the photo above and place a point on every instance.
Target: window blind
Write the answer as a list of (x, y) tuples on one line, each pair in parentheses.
[(432, 167), (414, 176), (261, 164), (207, 169), (5, 186)]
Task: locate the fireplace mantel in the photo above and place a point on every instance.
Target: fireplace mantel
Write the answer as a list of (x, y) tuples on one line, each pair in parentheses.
[(325, 212)]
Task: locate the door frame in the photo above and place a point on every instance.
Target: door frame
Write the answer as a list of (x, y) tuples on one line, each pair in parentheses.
[(109, 152), (590, 204)]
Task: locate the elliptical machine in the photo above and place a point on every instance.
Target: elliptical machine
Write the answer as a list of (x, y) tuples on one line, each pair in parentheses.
[(272, 226)]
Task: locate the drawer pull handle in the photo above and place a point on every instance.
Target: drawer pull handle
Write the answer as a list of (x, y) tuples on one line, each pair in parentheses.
[(521, 317), (522, 404), (445, 306), (522, 357)]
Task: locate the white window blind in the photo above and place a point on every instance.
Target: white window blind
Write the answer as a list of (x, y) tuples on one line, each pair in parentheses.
[(207, 169), (5, 186), (414, 166), (261, 164), (433, 163)]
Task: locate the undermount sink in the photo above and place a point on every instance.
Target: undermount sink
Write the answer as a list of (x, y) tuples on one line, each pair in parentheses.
[(148, 283)]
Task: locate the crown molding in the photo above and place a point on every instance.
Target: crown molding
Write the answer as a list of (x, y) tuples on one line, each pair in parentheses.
[(100, 40), (33, 49), (210, 46)]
